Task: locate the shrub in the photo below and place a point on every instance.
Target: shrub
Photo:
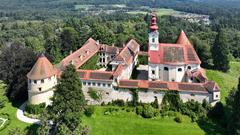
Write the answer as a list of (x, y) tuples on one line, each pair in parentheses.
[(139, 110), (89, 111), (178, 119), (128, 110), (35, 109), (94, 94), (171, 101), (155, 103), (103, 103), (118, 102), (148, 111)]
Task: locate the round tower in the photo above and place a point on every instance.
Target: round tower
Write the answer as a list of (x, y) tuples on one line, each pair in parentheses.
[(41, 81)]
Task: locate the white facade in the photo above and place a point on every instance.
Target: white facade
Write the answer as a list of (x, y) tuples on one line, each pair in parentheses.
[(40, 91), (170, 73), (153, 40), (105, 58)]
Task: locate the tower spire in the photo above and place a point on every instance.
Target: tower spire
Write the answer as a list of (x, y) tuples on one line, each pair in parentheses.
[(154, 26)]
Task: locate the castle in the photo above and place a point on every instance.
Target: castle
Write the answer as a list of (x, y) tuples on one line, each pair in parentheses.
[(171, 67)]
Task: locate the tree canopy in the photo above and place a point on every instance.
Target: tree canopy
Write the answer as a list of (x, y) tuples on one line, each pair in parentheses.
[(68, 102), (220, 52), (16, 61)]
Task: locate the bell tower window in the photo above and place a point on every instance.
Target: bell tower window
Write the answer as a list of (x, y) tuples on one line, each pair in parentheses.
[(153, 40)]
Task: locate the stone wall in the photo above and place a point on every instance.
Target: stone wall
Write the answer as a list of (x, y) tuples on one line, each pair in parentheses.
[(145, 96)]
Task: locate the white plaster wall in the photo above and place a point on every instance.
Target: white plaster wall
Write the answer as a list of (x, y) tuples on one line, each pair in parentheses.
[(48, 84), (171, 74), (149, 96), (153, 45), (216, 96), (36, 96), (186, 96)]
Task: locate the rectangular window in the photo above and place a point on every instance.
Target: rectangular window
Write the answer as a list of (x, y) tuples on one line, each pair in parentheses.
[(89, 83), (153, 40), (42, 81), (99, 84), (40, 89), (94, 84), (35, 81), (104, 84), (84, 83), (153, 72), (109, 85), (30, 81)]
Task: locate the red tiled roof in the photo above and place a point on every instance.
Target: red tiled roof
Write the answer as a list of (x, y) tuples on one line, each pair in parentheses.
[(175, 54), (95, 75), (161, 85), (211, 86), (82, 55), (118, 70), (200, 75), (109, 49), (182, 39), (128, 52), (42, 69)]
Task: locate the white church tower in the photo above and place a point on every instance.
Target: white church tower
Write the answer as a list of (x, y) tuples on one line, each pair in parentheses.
[(41, 80), (153, 35)]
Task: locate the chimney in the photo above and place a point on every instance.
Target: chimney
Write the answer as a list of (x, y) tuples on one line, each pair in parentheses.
[(97, 42)]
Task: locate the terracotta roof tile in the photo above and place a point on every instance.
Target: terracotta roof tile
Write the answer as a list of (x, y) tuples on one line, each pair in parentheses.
[(175, 54), (95, 75), (82, 55), (42, 69), (109, 49)]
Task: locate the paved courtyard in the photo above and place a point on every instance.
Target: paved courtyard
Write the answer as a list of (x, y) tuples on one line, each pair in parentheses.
[(143, 72)]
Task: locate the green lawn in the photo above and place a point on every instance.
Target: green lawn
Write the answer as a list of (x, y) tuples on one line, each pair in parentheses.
[(14, 122), (226, 81), (128, 123)]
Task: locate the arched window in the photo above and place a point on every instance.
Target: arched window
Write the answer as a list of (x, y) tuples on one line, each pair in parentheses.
[(166, 68)]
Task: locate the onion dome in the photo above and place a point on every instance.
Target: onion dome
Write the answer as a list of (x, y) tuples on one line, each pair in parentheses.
[(154, 26)]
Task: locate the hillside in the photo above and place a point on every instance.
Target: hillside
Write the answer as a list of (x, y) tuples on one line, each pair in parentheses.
[(226, 81)]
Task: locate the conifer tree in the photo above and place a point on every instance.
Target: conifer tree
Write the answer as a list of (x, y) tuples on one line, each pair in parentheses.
[(233, 108), (68, 103), (220, 52)]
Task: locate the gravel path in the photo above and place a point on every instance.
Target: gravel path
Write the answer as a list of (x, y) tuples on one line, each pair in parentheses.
[(23, 118)]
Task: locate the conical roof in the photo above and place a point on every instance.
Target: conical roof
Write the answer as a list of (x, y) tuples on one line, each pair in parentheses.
[(182, 39), (42, 69)]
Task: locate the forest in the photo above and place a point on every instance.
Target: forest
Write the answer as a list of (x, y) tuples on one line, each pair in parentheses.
[(56, 28)]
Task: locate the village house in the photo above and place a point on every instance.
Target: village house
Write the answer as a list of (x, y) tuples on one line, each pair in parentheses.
[(171, 67)]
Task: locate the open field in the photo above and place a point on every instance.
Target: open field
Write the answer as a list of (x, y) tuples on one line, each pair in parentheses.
[(160, 12), (128, 123), (226, 81)]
